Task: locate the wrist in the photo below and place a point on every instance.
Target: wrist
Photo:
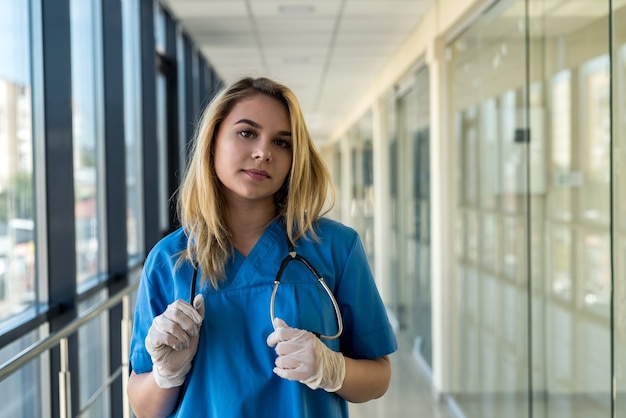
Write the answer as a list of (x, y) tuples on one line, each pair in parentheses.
[(335, 380), (167, 381)]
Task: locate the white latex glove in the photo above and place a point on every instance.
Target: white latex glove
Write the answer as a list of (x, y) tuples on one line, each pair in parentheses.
[(172, 341), (303, 357)]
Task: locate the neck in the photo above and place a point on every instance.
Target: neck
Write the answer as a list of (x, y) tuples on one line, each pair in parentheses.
[(247, 223)]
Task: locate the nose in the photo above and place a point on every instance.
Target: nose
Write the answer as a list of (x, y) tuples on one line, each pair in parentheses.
[(262, 154)]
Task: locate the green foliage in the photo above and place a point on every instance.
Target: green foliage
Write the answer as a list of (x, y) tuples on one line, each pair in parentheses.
[(16, 201)]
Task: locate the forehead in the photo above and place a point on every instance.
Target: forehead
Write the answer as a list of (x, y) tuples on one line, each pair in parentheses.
[(260, 106)]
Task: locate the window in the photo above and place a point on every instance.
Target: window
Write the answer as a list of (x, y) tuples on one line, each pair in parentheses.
[(133, 129), (17, 226), (87, 132)]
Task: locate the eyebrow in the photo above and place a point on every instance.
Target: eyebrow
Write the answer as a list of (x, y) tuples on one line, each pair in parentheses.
[(256, 125)]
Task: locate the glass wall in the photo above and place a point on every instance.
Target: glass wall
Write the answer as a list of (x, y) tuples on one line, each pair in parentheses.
[(87, 115), (93, 341), (17, 218), (418, 219), (362, 190), (132, 126), (58, 255), (405, 125), (618, 190), (537, 96)]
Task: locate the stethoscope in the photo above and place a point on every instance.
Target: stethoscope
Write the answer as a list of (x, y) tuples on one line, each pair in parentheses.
[(293, 255)]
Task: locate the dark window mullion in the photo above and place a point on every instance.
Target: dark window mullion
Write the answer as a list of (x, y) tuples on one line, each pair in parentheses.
[(59, 182), (115, 175)]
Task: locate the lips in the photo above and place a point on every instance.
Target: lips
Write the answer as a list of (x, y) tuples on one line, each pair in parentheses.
[(257, 174)]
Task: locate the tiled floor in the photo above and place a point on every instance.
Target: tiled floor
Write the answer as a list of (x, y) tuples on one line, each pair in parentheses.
[(409, 395)]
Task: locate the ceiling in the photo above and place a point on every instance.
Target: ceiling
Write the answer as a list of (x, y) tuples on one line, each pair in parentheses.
[(327, 51)]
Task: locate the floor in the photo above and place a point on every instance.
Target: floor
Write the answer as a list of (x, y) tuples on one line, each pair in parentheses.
[(409, 394)]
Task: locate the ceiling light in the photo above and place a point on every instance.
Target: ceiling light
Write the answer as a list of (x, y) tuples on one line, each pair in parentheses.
[(296, 9)]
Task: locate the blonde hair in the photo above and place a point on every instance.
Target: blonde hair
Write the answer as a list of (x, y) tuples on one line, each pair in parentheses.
[(201, 204)]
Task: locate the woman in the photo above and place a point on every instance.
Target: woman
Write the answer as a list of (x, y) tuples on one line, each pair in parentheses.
[(254, 192)]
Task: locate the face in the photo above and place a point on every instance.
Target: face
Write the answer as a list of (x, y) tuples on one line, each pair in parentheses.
[(253, 149)]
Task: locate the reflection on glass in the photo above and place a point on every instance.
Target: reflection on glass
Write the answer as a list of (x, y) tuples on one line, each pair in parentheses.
[(94, 360), (489, 154), (161, 132), (511, 158), (619, 208), (471, 237), (561, 260), (563, 178), (21, 392), (596, 140), (490, 242), (132, 127), (362, 189), (17, 226), (87, 134), (160, 31), (596, 272), (469, 155), (512, 240)]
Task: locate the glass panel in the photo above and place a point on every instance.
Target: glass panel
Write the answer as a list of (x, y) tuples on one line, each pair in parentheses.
[(132, 127), (87, 134), (564, 179), (22, 393), (17, 225), (561, 259), (422, 306), (619, 202), (488, 99), (161, 132), (390, 125), (489, 154), (160, 30), (569, 55), (93, 344), (362, 202), (595, 124), (405, 210)]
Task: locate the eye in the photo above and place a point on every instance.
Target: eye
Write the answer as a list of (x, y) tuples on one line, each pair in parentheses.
[(246, 134), (283, 143)]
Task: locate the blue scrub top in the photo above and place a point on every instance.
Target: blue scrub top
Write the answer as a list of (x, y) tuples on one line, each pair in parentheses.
[(231, 375)]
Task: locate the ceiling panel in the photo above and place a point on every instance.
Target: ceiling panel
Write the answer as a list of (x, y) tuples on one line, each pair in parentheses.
[(327, 51)]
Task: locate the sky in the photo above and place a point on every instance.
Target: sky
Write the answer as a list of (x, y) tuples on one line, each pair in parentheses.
[(14, 41)]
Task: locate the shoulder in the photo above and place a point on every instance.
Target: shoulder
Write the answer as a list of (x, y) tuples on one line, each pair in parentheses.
[(329, 229), (332, 228), (167, 248)]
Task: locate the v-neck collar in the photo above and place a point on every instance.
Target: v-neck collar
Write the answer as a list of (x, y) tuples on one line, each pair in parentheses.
[(246, 267)]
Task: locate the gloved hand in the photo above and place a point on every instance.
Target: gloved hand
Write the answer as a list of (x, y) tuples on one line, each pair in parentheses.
[(303, 357), (172, 341)]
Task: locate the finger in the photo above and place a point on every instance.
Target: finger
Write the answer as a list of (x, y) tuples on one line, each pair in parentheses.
[(198, 304), (285, 348), (288, 363), (274, 338), (188, 310), (291, 374), (170, 332), (157, 341), (282, 334), (187, 322), (279, 323)]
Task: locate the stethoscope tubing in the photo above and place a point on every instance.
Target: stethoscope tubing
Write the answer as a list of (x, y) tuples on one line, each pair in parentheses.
[(292, 256), (295, 256)]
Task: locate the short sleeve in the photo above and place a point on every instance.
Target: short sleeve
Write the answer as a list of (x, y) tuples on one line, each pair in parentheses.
[(371, 334)]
